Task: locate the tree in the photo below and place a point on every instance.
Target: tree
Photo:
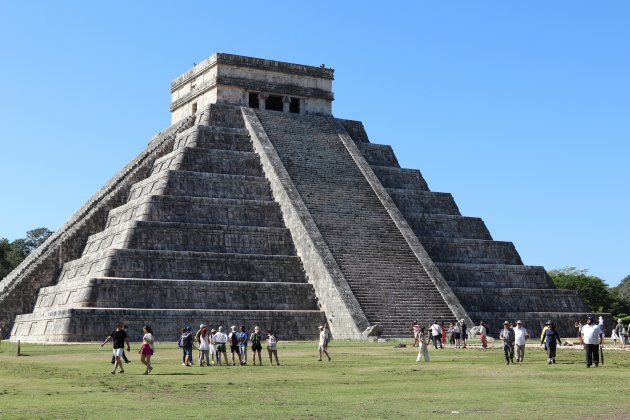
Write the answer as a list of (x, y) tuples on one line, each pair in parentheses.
[(623, 288), (593, 290), (13, 253)]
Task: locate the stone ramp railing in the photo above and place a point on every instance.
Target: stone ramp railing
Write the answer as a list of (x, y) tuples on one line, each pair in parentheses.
[(18, 290)]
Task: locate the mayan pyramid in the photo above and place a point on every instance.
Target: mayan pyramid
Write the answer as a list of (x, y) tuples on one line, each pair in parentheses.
[(258, 207)]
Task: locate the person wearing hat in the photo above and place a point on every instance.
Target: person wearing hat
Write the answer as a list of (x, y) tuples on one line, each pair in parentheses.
[(507, 335), (592, 336), (233, 340), (520, 337), (186, 343), (550, 336), (219, 340)]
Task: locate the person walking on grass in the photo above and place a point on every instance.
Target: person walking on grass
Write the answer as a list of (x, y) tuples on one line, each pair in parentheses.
[(204, 347), (234, 345), (436, 334), (146, 350), (323, 343), (220, 340), (272, 347), (423, 351), (507, 336), (119, 338), (550, 337), (124, 356), (620, 331), (243, 338), (256, 339), (592, 335), (520, 338)]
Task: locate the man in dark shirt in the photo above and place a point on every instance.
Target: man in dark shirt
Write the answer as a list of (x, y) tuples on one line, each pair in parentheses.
[(120, 338)]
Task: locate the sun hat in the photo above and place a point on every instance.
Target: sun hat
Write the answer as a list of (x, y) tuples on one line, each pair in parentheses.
[(519, 322), (506, 323), (220, 328)]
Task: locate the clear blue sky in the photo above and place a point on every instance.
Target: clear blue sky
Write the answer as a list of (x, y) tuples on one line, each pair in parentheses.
[(521, 110)]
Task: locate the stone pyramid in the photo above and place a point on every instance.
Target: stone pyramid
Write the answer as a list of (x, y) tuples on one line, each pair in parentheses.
[(257, 207)]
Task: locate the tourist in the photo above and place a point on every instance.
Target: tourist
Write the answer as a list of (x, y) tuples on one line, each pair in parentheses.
[(520, 339), (449, 334), (124, 356), (578, 326), (436, 334), (186, 343), (146, 350), (119, 338), (620, 331), (323, 343), (464, 328), (443, 336), (423, 351), (415, 328), (256, 339), (204, 347), (482, 335), (592, 336), (197, 340), (214, 359), (220, 339), (549, 339), (234, 344), (507, 336), (542, 333), (457, 334), (272, 347), (243, 337)]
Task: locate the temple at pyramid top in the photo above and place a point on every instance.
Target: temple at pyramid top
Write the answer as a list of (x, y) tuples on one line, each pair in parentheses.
[(252, 82)]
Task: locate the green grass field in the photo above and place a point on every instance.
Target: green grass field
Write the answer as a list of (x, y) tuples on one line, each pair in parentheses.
[(364, 380)]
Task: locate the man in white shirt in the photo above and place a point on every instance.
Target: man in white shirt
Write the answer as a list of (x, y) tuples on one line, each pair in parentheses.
[(521, 336), (592, 337), (436, 334), (219, 340)]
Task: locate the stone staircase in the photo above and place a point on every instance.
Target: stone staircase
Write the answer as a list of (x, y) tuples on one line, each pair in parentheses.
[(488, 277), (200, 240), (385, 276)]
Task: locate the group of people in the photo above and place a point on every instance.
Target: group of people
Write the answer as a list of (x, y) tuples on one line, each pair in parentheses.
[(514, 337), (212, 345)]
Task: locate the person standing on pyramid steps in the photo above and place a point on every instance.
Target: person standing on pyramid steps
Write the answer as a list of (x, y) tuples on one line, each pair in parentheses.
[(234, 345), (146, 350), (549, 339), (272, 347), (256, 339), (119, 338), (323, 343)]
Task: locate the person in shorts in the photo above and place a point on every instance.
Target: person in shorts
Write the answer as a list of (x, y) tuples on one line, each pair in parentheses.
[(119, 338), (256, 339), (146, 350), (243, 337), (272, 347), (220, 339), (234, 341)]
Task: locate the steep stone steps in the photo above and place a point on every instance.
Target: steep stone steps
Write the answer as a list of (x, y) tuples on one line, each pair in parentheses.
[(209, 137), (111, 292), (208, 210), (366, 244), (89, 324), (378, 154), (416, 201), (521, 299), (495, 276)]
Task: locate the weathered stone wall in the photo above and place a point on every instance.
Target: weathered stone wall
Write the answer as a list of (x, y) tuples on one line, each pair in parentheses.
[(41, 268)]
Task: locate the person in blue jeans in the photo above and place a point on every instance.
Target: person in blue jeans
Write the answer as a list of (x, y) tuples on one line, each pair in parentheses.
[(436, 334)]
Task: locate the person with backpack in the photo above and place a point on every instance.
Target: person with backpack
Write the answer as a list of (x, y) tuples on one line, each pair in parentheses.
[(256, 339), (272, 347), (234, 344), (186, 344), (220, 340), (243, 337)]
